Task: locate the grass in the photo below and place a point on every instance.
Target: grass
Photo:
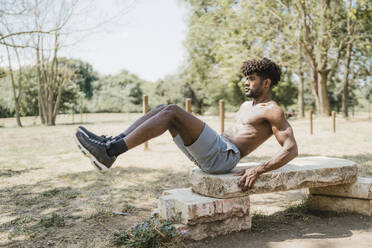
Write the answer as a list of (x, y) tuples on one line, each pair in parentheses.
[(54, 220), (46, 181), (297, 211)]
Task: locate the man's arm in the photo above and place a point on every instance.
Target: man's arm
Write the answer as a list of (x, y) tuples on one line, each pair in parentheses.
[(284, 134)]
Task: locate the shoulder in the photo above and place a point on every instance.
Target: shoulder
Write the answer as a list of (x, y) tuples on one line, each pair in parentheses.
[(273, 112), (246, 103)]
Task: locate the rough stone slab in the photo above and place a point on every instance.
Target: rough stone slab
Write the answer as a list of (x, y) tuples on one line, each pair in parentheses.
[(213, 229), (195, 208), (340, 204), (306, 172), (362, 189)]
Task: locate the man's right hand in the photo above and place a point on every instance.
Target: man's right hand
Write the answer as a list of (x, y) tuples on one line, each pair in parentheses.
[(248, 178)]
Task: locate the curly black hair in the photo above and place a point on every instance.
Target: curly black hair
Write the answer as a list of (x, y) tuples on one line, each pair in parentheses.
[(265, 68)]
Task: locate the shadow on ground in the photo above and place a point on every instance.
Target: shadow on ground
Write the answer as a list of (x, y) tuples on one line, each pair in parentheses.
[(10, 172), (291, 228), (43, 214)]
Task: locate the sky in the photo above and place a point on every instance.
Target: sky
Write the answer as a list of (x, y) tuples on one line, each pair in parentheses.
[(148, 42)]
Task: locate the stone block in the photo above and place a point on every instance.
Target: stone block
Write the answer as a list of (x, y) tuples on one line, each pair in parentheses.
[(362, 189), (213, 229), (340, 204), (196, 209), (306, 172)]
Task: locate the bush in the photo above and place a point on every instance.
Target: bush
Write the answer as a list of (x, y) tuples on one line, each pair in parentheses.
[(152, 233)]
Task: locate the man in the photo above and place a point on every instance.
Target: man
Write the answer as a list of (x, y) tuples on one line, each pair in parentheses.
[(255, 122)]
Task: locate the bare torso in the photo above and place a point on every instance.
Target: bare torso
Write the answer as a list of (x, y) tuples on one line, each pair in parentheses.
[(250, 128)]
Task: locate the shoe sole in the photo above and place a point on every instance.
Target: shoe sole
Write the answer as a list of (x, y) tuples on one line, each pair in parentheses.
[(98, 165)]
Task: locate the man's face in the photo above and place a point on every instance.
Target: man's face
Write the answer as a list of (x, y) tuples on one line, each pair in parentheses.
[(253, 86)]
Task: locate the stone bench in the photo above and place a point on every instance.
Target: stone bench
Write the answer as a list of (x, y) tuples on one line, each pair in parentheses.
[(307, 172), (352, 198), (215, 204), (202, 216)]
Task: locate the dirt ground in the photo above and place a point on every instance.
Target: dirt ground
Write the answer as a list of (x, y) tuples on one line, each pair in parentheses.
[(51, 196)]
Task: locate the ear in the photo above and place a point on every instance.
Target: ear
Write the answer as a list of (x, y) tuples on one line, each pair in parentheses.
[(267, 83)]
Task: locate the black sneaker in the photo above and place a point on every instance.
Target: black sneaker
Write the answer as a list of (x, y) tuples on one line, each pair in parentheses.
[(91, 135), (95, 150)]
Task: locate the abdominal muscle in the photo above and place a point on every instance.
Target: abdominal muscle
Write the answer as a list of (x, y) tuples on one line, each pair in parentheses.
[(247, 137)]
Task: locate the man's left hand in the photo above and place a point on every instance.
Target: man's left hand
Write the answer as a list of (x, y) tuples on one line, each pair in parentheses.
[(248, 178)]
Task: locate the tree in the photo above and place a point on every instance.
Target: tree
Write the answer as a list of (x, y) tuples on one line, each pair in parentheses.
[(16, 82), (72, 96), (357, 33), (222, 34), (308, 38), (45, 27), (10, 14), (117, 93)]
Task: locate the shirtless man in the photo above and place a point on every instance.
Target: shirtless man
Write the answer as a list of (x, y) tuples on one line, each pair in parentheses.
[(254, 123)]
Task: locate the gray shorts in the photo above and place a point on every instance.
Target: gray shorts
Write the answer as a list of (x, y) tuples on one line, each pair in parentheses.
[(211, 152)]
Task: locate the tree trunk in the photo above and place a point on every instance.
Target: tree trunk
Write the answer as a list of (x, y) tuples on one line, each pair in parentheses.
[(15, 97), (322, 58), (314, 89), (18, 116), (323, 94), (345, 95), (300, 97), (301, 104), (42, 119)]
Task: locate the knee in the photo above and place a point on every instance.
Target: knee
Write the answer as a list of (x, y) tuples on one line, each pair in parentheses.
[(173, 108), (171, 111), (160, 106)]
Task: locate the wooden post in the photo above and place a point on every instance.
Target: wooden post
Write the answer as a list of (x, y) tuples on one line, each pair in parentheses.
[(222, 115), (81, 113), (311, 122), (188, 105), (334, 120), (145, 109)]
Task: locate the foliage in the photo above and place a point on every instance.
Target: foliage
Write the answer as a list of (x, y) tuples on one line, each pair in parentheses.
[(174, 89), (117, 93), (79, 86), (84, 75), (285, 92), (154, 232), (302, 36)]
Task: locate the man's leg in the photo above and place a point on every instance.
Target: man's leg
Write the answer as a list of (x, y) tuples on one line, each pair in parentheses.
[(172, 118), (138, 122), (144, 118)]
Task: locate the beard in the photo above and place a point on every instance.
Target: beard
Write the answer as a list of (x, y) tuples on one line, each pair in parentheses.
[(250, 93), (253, 93)]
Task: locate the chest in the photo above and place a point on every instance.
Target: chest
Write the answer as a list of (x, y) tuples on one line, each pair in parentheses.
[(253, 115)]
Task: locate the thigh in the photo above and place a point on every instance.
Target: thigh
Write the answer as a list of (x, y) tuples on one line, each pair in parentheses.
[(186, 125)]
